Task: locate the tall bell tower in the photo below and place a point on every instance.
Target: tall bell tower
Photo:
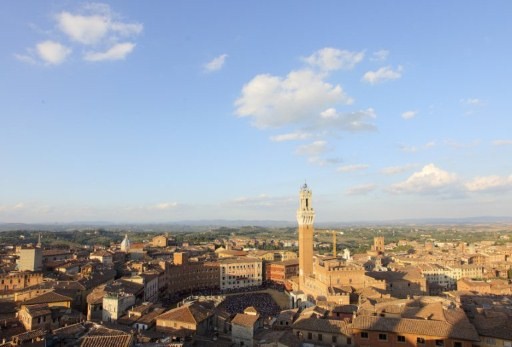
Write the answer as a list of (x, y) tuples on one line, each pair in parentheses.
[(305, 219)]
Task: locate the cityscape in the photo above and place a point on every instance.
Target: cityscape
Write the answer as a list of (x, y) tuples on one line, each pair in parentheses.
[(262, 174)]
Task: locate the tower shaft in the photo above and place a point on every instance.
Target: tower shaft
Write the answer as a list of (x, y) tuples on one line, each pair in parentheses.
[(305, 219)]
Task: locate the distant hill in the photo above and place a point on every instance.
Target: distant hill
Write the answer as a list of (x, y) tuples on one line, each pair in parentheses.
[(206, 224)]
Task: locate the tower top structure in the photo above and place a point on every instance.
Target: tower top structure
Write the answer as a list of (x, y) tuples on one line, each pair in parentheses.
[(305, 213)]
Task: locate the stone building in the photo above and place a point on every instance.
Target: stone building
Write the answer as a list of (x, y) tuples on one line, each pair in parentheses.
[(240, 272)]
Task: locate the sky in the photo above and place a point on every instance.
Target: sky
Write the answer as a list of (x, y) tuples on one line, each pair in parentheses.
[(129, 111)]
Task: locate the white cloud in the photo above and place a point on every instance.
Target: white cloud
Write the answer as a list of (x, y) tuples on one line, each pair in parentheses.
[(460, 145), (312, 149), (97, 25), (273, 101), (383, 74), (84, 29), (361, 189), (352, 168), (117, 52), (347, 121), (290, 137), (328, 59), (94, 25), (319, 161), (502, 142), (262, 200), (393, 170), (26, 58), (305, 104), (414, 149), (490, 184), (216, 63), (380, 55), (472, 102), (163, 206), (409, 114), (430, 179), (408, 149), (52, 52)]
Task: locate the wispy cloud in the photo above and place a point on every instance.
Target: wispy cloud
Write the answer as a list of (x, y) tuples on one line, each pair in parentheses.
[(416, 148), (262, 200), (393, 170), (116, 52), (163, 206), (352, 168), (502, 142), (290, 137), (409, 114), (383, 74), (492, 183), (329, 59), (380, 55), (361, 189), (216, 63), (472, 102)]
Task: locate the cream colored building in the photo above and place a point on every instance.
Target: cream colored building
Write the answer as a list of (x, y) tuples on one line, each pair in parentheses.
[(30, 259), (240, 273)]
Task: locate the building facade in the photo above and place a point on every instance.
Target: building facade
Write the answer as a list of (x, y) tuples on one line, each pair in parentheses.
[(240, 273)]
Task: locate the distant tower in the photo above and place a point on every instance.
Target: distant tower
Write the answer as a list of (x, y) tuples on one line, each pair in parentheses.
[(378, 244), (39, 243), (125, 244), (305, 219)]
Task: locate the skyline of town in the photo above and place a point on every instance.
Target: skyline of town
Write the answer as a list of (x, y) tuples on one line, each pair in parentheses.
[(193, 111)]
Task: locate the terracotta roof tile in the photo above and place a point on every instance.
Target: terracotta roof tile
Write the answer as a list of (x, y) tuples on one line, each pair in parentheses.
[(49, 297), (416, 326), (245, 320), (324, 325), (124, 340)]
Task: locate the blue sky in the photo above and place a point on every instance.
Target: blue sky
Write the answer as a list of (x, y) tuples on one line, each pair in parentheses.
[(186, 110)]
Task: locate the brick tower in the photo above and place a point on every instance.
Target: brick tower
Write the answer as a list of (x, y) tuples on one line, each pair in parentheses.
[(305, 219)]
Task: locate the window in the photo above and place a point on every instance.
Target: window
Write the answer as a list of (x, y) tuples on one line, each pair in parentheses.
[(334, 339), (320, 337), (310, 336), (383, 337), (457, 344), (364, 335), (349, 341), (490, 341), (439, 343), (420, 341), (400, 338)]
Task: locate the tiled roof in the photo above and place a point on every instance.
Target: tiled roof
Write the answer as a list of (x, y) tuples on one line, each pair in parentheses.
[(73, 329), (416, 326), (324, 325), (49, 297), (38, 310), (193, 313), (245, 320), (29, 335), (124, 340), (498, 327)]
